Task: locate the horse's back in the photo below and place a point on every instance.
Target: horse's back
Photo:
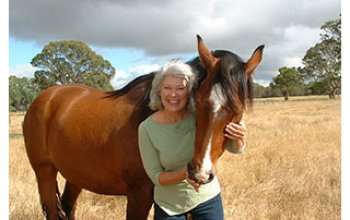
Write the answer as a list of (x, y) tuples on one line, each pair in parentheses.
[(41, 113), (46, 105)]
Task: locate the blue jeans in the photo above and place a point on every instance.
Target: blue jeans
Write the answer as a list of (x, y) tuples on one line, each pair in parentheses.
[(209, 210)]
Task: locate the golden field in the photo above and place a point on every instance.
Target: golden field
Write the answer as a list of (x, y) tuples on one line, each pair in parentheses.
[(291, 168)]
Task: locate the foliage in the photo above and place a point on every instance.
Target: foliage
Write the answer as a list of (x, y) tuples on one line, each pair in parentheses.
[(322, 62), (22, 92), (72, 62), (289, 81), (259, 90), (265, 92)]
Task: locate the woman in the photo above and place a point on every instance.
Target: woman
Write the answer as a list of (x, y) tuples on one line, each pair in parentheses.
[(166, 141)]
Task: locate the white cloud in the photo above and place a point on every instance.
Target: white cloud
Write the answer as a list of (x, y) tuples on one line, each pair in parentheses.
[(122, 77), (23, 70), (142, 69), (262, 82), (293, 62)]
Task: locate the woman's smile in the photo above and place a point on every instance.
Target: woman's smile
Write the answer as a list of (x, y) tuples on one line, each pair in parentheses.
[(174, 94)]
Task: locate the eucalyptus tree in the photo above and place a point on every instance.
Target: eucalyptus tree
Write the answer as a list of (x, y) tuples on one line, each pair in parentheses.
[(72, 62)]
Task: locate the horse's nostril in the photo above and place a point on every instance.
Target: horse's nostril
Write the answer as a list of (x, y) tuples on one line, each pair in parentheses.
[(204, 178), (191, 171)]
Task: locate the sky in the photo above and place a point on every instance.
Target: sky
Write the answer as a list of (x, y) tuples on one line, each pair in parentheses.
[(137, 37)]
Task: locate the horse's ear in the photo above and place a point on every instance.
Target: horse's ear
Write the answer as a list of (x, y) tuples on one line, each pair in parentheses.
[(254, 61), (207, 59)]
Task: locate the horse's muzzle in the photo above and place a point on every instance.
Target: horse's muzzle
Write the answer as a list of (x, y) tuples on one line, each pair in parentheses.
[(192, 171)]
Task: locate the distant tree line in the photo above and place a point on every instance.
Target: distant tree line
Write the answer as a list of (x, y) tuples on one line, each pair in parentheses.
[(73, 62)]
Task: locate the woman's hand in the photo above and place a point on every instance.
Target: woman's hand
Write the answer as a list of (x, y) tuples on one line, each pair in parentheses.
[(174, 177), (236, 132), (193, 183)]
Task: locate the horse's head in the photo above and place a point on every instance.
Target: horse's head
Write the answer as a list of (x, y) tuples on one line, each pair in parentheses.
[(221, 98)]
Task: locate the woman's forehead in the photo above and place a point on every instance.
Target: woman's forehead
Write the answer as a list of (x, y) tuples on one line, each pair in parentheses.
[(174, 81)]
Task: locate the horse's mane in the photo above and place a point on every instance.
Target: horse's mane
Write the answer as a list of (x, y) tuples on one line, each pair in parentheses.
[(140, 79), (231, 78)]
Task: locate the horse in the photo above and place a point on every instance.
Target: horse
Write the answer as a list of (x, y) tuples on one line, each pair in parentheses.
[(90, 136)]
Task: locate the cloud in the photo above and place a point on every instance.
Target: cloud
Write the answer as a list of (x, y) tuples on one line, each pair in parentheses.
[(122, 78), (162, 28), (23, 70)]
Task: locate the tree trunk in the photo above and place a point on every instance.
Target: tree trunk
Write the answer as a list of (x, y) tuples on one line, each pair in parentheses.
[(331, 94)]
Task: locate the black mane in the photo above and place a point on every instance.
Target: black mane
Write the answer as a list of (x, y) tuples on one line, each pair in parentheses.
[(147, 77)]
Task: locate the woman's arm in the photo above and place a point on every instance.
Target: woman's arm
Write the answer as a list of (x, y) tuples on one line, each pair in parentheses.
[(149, 156), (151, 163), (172, 177)]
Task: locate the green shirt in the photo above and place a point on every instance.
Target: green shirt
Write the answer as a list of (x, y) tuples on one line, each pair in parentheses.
[(169, 147)]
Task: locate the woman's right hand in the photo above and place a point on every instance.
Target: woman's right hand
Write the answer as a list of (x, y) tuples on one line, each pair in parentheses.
[(192, 182)]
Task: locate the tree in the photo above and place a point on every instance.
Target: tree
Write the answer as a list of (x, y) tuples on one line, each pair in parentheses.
[(72, 62), (322, 63), (22, 92), (288, 81), (272, 91)]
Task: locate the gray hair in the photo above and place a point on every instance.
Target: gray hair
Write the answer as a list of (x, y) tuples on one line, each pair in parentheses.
[(176, 69)]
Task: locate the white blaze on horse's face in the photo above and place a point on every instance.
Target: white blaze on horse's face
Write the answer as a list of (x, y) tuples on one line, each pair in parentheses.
[(218, 100), (207, 166)]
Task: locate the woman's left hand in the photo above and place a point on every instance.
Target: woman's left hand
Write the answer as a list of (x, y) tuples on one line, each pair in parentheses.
[(195, 185), (236, 132)]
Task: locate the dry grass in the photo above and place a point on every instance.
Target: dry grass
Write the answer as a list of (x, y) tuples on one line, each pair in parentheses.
[(290, 170)]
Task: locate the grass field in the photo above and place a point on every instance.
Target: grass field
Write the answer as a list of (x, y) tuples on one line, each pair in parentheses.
[(290, 170)]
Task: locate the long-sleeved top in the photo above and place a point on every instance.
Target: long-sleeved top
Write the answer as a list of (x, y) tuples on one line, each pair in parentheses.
[(169, 147)]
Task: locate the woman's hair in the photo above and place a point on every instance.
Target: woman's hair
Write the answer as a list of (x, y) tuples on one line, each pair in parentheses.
[(175, 69)]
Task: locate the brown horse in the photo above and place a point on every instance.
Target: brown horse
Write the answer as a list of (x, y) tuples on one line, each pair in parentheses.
[(90, 136)]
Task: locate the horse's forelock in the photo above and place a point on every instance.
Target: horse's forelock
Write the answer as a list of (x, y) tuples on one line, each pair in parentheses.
[(234, 83)]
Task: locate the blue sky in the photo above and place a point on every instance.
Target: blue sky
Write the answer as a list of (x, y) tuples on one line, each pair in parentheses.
[(21, 52)]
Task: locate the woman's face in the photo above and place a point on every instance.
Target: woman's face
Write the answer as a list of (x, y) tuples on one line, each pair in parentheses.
[(174, 94)]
